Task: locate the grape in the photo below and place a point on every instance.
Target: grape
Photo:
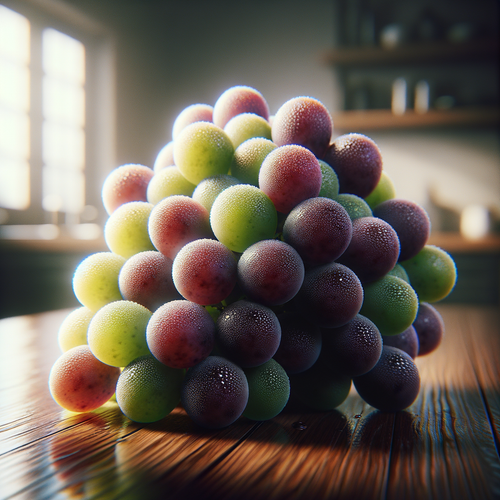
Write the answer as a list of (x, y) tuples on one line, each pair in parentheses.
[(180, 334), (432, 273), (79, 382), (319, 229), (358, 163), (165, 157), (126, 230), (236, 100), (304, 121), (73, 329), (399, 271), (391, 304), (248, 333), (407, 341), (410, 221), (354, 348), (201, 150), (247, 126), (248, 158), (167, 182), (147, 390), (193, 113), (393, 384), (321, 387), (204, 271), (95, 281), (242, 215), (175, 221), (429, 327), (124, 184), (117, 332), (383, 191), (210, 187), (214, 393), (288, 175), (355, 206), (373, 250), (270, 272), (329, 181), (268, 391), (330, 296), (146, 278), (300, 343)]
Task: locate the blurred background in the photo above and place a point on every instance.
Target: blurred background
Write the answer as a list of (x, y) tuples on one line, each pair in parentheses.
[(88, 85)]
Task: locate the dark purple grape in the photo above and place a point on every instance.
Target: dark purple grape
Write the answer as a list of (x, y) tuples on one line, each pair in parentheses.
[(358, 163), (319, 229), (304, 121), (393, 384), (411, 223), (429, 326), (407, 341), (270, 272), (300, 343), (146, 278), (248, 333), (214, 393), (330, 296), (355, 348), (321, 387), (180, 334), (373, 250)]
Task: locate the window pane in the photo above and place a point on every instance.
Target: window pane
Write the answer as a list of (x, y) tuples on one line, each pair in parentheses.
[(14, 135), (63, 146), (14, 36), (63, 190), (63, 56), (14, 185), (14, 85), (63, 102)]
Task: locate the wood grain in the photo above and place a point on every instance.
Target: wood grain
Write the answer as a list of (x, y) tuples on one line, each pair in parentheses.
[(445, 446)]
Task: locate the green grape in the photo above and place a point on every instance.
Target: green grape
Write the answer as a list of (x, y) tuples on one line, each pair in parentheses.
[(73, 329), (268, 390), (148, 390), (320, 387), (167, 182), (242, 215), (201, 150), (399, 271), (329, 181), (246, 126), (248, 158), (165, 157), (117, 332), (126, 230), (432, 273), (95, 282), (383, 191), (391, 303), (355, 206), (208, 189)]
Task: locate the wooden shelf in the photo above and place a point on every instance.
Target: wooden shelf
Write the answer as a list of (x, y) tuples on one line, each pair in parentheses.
[(377, 119), (417, 53), (456, 243)]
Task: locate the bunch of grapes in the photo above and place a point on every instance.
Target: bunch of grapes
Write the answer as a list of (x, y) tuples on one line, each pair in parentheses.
[(259, 260)]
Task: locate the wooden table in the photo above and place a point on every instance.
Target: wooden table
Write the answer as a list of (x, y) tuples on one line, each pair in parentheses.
[(445, 446)]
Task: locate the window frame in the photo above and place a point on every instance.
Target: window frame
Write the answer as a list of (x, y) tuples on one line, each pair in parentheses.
[(100, 107)]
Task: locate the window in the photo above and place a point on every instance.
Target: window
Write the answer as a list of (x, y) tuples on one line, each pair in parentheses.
[(55, 115)]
